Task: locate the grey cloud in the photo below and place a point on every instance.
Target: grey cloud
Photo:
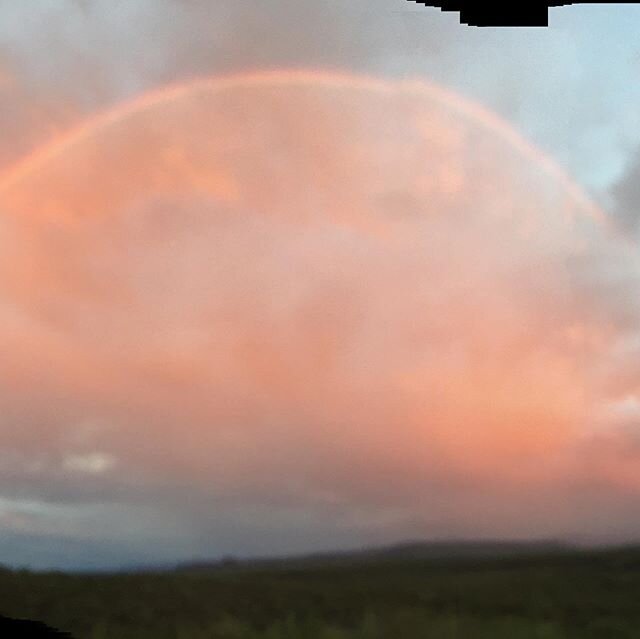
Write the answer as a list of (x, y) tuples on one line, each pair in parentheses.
[(625, 195)]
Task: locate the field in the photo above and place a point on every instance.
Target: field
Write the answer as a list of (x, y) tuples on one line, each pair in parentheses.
[(543, 595)]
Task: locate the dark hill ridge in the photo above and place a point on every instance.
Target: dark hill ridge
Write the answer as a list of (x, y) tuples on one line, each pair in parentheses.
[(406, 551)]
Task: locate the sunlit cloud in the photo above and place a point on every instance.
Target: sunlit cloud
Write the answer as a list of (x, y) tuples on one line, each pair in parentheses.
[(275, 310), (91, 463)]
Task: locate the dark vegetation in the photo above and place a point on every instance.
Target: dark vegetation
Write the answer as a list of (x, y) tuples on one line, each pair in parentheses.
[(19, 628), (409, 592)]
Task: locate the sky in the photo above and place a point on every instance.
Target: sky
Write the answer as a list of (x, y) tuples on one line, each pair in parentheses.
[(314, 275)]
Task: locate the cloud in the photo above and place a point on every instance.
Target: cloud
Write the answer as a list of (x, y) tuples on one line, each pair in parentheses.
[(625, 195), (92, 463), (279, 320)]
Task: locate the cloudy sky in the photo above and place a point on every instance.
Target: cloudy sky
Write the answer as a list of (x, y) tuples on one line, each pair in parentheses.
[(318, 275)]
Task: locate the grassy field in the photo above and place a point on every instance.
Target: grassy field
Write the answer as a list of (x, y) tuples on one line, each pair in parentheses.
[(562, 594)]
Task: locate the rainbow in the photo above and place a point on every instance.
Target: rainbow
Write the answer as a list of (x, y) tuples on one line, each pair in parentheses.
[(273, 78)]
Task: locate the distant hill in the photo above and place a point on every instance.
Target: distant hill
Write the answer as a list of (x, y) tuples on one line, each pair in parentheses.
[(405, 551)]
